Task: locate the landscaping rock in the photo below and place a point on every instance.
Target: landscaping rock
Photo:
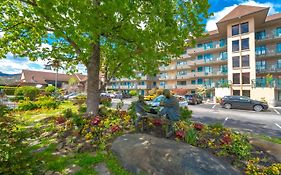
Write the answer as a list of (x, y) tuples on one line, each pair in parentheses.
[(49, 172), (72, 169), (102, 169), (273, 149), (141, 153)]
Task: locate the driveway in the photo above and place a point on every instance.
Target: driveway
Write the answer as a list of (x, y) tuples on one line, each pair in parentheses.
[(267, 122)]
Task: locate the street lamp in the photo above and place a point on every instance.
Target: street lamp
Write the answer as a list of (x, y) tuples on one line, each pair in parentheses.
[(56, 65)]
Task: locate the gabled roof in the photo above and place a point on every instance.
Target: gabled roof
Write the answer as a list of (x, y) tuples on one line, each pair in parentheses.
[(240, 11), (40, 77)]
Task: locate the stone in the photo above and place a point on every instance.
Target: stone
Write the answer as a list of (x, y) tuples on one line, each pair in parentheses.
[(142, 153), (102, 169), (273, 149), (72, 169), (49, 172)]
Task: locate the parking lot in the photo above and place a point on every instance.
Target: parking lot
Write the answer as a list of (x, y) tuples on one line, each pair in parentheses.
[(266, 122)]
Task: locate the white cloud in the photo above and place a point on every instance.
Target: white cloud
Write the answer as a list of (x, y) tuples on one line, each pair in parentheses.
[(211, 23)]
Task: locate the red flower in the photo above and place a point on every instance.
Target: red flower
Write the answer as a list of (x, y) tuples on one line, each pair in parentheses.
[(198, 126), (115, 128), (180, 134), (60, 120), (157, 122), (96, 120), (123, 113), (226, 139)]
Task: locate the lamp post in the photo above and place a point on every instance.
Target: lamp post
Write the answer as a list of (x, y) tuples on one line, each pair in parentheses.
[(56, 65)]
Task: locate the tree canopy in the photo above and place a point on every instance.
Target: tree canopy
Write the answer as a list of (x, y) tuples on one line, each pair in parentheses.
[(117, 37)]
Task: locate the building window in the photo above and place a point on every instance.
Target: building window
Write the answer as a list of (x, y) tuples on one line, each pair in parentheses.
[(245, 27), (245, 43), (222, 42), (235, 62), (279, 63), (181, 83), (179, 63), (223, 68), (278, 48), (162, 83), (278, 31), (223, 55), (199, 57), (193, 81), (236, 78), (261, 50), (208, 46), (183, 72), (245, 61), (246, 93), (192, 70), (245, 78), (260, 35), (200, 69), (235, 45), (208, 69), (260, 65), (235, 30), (236, 92), (199, 81), (208, 57)]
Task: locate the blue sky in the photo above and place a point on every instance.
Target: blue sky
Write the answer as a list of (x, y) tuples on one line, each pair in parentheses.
[(219, 7)]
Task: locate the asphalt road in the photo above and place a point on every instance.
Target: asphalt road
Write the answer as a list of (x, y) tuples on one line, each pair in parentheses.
[(267, 122)]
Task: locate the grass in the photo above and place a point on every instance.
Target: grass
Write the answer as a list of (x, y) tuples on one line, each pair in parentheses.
[(33, 121), (270, 139)]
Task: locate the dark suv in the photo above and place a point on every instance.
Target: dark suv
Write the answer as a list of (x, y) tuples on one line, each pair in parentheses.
[(193, 99), (242, 102)]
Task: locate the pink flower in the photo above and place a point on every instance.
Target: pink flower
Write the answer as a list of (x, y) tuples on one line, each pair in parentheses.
[(198, 126), (157, 122), (115, 128), (95, 121), (60, 120), (226, 139), (180, 134)]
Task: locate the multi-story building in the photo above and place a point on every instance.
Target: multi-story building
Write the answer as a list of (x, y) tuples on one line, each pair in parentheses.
[(241, 57)]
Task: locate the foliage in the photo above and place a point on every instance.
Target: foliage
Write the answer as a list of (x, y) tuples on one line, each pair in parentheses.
[(133, 93), (202, 91), (225, 85), (82, 108), (3, 110), (119, 105), (254, 168), (191, 136), (50, 89), (106, 102), (14, 156), (42, 102), (269, 79), (218, 99), (185, 114), (27, 91), (263, 100), (239, 146), (8, 90), (72, 81)]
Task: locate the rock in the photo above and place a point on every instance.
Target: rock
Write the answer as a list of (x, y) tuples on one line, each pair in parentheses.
[(273, 149), (102, 169), (141, 153), (60, 145), (49, 172), (72, 169)]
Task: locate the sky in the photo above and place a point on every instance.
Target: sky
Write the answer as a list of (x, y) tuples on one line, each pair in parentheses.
[(219, 8)]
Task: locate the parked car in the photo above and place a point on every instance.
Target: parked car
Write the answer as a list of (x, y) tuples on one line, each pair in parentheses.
[(70, 96), (242, 102), (193, 99), (156, 102), (121, 95), (149, 97)]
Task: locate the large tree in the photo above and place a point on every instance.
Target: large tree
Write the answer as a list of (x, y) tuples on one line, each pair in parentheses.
[(118, 37)]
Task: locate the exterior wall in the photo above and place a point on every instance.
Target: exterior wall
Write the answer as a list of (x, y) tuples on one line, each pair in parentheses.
[(221, 92), (267, 93)]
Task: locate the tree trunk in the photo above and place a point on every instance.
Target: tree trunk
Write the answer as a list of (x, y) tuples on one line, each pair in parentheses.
[(93, 93)]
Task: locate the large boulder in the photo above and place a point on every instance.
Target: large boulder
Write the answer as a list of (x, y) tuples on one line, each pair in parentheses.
[(142, 153)]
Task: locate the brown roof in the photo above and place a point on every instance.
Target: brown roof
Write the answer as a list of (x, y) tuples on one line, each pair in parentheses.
[(273, 17), (40, 77), (213, 32), (242, 10)]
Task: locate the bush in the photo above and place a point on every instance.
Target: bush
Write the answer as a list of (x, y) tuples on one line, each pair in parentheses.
[(27, 91), (133, 93), (82, 109), (68, 113), (191, 136), (42, 102), (185, 114), (3, 110), (8, 90), (50, 89)]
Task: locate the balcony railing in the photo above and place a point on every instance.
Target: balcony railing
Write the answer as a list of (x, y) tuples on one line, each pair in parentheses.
[(183, 66), (263, 83), (216, 45), (269, 53), (271, 35), (272, 69), (167, 77), (165, 68)]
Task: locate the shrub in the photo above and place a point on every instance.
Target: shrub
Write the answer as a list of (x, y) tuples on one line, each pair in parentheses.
[(27, 105), (42, 102), (68, 113), (133, 93), (3, 110), (185, 114), (191, 136), (8, 90), (27, 91), (239, 146), (50, 89), (82, 108)]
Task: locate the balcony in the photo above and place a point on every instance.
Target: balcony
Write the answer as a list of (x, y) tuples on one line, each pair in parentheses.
[(273, 35), (218, 60), (208, 49), (171, 77), (167, 87), (190, 75), (262, 83), (269, 53), (167, 68), (142, 87), (188, 86), (271, 69), (184, 66), (215, 73)]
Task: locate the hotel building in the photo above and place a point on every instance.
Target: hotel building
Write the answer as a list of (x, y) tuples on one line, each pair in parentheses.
[(241, 57)]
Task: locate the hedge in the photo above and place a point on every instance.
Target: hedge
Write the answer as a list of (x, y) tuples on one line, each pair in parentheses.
[(8, 90)]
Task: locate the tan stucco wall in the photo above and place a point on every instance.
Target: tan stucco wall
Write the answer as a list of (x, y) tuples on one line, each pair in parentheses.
[(267, 93)]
